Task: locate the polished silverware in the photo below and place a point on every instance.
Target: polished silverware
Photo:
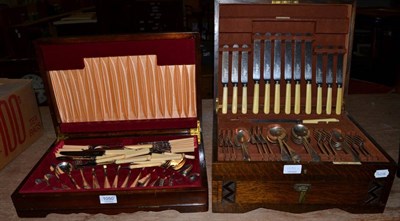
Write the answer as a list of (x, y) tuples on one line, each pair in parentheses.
[(339, 82), (244, 75), (242, 138), (301, 135), (329, 81), (319, 81), (235, 77), (225, 78), (288, 73), (277, 72), (267, 73), (308, 74), (297, 75), (256, 72)]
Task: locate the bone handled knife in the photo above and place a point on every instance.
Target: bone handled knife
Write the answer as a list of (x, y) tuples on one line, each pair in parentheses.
[(297, 75), (244, 77), (339, 83), (277, 72), (319, 81), (235, 77), (256, 74), (329, 81), (308, 74), (225, 78), (267, 73), (288, 74)]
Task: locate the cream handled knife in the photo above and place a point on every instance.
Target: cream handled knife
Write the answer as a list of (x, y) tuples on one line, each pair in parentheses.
[(329, 81), (288, 73), (244, 77), (339, 82), (256, 74), (277, 72), (267, 73), (308, 74), (235, 77), (225, 78), (319, 81), (297, 75)]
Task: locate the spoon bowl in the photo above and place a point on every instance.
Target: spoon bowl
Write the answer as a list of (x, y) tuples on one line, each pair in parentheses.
[(242, 138)]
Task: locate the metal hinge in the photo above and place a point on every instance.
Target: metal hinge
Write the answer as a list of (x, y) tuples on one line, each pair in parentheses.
[(217, 107), (196, 132), (61, 137)]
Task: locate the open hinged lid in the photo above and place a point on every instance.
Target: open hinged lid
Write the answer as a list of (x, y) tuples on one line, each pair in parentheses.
[(122, 84), (292, 57)]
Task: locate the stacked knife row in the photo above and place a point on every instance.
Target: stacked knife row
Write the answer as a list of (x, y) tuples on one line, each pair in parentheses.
[(280, 57)]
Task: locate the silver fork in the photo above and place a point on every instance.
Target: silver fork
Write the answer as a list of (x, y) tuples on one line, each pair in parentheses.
[(263, 141), (254, 140)]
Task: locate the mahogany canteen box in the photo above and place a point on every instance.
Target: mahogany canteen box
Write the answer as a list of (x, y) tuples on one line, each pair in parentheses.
[(126, 113), (282, 138), (20, 121)]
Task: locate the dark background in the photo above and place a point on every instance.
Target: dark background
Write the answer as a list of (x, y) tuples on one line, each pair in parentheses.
[(375, 57)]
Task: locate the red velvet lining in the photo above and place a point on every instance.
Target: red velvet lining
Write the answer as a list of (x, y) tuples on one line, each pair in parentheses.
[(70, 55), (114, 126), (44, 168)]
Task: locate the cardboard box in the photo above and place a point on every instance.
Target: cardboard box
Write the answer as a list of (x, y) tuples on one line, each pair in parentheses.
[(20, 122)]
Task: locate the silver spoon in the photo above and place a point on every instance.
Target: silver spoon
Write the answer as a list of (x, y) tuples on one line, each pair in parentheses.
[(66, 167), (242, 138), (301, 135), (277, 133)]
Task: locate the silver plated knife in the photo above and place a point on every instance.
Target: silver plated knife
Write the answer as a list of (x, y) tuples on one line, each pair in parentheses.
[(235, 77), (308, 74), (256, 73), (319, 81), (339, 83), (277, 72), (288, 73), (225, 78), (329, 81), (244, 76), (267, 73), (297, 74)]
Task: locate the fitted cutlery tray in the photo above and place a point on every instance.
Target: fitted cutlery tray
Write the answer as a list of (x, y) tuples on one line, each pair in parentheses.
[(282, 138), (125, 111)]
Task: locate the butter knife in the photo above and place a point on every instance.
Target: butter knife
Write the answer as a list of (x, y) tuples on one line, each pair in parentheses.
[(308, 74), (319, 81), (339, 83), (329, 81), (288, 73), (267, 72), (297, 75), (244, 76), (225, 78), (256, 73), (277, 72), (235, 77)]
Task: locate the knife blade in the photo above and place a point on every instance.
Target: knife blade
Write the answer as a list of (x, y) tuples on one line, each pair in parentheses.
[(244, 76), (297, 74), (256, 73), (277, 72), (225, 78), (329, 81), (339, 83), (288, 73), (267, 72), (235, 77), (83, 153), (318, 79), (308, 74)]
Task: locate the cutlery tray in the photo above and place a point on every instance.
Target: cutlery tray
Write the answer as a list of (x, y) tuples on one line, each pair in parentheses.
[(125, 110), (282, 137)]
